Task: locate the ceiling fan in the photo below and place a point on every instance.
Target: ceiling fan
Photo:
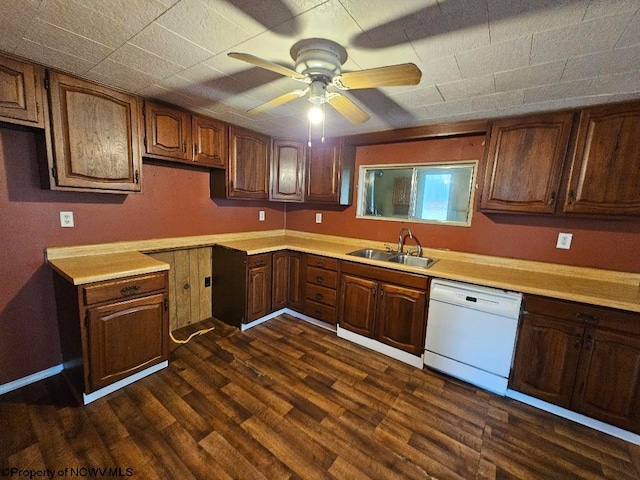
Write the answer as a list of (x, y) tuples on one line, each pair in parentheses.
[(318, 64)]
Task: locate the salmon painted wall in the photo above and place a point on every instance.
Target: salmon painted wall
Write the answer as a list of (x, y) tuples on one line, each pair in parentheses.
[(175, 202), (609, 244)]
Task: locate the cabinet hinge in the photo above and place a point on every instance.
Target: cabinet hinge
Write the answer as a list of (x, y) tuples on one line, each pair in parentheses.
[(37, 108), (54, 173), (86, 321), (46, 83), (137, 177), (165, 304), (144, 141)]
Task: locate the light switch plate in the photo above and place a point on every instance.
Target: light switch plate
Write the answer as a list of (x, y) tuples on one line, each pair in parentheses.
[(66, 219), (564, 241)]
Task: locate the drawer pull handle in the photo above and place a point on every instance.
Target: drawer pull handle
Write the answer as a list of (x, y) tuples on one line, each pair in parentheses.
[(130, 290), (318, 313), (259, 263), (319, 279), (587, 318), (320, 263), (319, 296)]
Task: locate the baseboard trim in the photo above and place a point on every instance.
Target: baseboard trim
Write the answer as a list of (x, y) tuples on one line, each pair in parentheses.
[(29, 379), (293, 313), (93, 396), (383, 348), (576, 417)]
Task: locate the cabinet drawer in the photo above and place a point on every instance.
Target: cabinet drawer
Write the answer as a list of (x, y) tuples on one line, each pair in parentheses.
[(322, 262), (583, 314), (259, 260), (123, 288), (321, 312), (321, 294), (319, 276)]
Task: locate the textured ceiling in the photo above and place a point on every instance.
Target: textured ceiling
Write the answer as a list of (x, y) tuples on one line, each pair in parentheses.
[(479, 58)]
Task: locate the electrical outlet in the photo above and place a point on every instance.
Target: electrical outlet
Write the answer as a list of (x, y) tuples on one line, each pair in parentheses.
[(564, 241), (318, 218), (66, 219), (261, 215)]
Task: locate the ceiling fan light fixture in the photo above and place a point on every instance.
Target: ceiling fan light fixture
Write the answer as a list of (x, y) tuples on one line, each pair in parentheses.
[(316, 115)]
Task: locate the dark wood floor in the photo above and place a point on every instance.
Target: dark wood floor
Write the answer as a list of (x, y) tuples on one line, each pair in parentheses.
[(290, 400)]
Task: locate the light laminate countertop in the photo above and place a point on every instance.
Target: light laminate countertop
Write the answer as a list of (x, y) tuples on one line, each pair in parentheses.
[(92, 263)]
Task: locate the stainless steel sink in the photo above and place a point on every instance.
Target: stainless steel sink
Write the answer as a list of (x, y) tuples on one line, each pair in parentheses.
[(372, 254), (412, 261), (393, 257)]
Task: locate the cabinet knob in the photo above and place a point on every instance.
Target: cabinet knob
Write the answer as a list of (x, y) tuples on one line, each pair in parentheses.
[(552, 198), (259, 263), (572, 197), (578, 341), (589, 343), (319, 296), (319, 279), (320, 263)]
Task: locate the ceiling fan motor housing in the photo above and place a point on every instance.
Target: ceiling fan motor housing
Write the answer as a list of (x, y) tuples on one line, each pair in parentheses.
[(318, 57)]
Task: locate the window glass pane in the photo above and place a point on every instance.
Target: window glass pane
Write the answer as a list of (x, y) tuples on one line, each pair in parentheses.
[(433, 192)]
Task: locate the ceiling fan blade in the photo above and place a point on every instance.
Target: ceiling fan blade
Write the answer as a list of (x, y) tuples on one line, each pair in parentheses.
[(347, 108), (390, 76), (276, 102), (267, 65)]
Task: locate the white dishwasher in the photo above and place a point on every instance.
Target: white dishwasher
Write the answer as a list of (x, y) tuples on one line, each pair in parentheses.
[(471, 333)]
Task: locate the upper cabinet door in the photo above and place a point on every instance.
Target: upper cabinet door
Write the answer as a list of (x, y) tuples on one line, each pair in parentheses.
[(209, 142), (287, 171), (168, 131), (524, 163), (248, 164), (20, 92), (324, 173), (95, 136), (605, 169)]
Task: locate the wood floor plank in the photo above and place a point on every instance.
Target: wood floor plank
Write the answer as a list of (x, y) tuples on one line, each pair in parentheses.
[(289, 400)]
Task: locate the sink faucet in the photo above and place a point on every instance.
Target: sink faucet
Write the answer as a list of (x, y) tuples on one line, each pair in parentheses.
[(404, 233)]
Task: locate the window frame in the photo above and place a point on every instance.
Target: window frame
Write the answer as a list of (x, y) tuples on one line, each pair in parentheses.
[(414, 167)]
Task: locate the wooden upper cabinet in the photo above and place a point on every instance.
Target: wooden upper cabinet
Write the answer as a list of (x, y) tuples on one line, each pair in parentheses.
[(524, 163), (209, 141), (20, 92), (167, 131), (177, 135), (95, 137), (324, 172), (287, 171), (604, 176), (248, 170)]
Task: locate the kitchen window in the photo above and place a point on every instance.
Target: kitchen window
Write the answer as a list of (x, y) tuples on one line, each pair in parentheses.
[(434, 192)]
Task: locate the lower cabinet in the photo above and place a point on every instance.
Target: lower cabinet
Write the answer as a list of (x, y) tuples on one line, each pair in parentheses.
[(110, 330), (321, 284), (287, 286), (385, 305), (189, 285), (580, 357)]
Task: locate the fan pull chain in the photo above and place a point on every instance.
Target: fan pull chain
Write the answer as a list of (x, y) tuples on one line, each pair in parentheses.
[(323, 117), (309, 142)]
